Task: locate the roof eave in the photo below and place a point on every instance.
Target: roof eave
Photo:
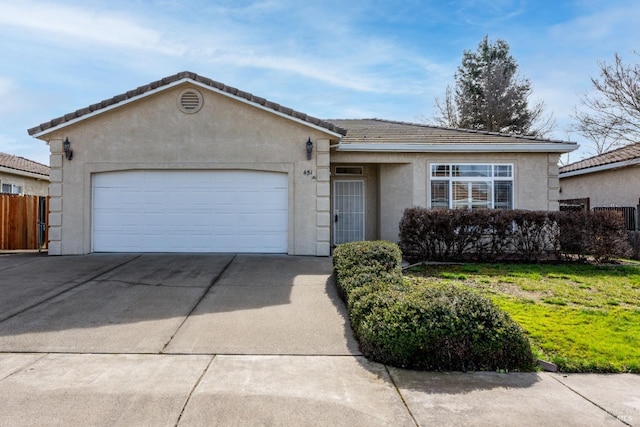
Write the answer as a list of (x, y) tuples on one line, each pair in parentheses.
[(458, 148), (20, 172), (174, 84), (600, 168)]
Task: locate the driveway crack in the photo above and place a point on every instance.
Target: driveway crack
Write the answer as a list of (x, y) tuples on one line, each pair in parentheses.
[(24, 367), (204, 294), (152, 285), (65, 290), (193, 389), (617, 417), (404, 402)]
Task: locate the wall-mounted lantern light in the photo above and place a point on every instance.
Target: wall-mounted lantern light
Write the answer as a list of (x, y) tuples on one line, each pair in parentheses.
[(66, 146), (309, 148)]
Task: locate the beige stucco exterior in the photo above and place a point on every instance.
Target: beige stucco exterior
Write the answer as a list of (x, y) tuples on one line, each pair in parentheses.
[(403, 181), (153, 133), (236, 131), (32, 184), (612, 187)]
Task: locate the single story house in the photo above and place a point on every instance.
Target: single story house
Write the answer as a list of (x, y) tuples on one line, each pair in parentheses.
[(188, 164), (23, 176), (606, 180)]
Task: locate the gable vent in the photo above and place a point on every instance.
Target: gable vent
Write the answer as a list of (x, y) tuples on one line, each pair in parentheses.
[(190, 101)]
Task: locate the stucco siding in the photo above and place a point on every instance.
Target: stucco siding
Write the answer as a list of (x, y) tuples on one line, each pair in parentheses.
[(615, 187), (153, 133), (404, 180), (396, 194), (30, 186)]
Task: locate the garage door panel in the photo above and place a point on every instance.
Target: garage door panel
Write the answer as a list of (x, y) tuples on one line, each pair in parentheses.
[(273, 221), (190, 211)]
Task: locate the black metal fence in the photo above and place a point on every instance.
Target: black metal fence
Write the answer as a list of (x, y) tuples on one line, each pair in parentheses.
[(629, 213)]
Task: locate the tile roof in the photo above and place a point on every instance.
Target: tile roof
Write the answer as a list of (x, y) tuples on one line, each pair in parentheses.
[(623, 154), (21, 164), (175, 78), (388, 131)]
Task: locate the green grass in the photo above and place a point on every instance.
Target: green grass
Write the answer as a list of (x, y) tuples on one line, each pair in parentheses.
[(584, 318)]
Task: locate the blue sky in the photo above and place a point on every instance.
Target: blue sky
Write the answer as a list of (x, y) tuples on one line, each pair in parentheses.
[(330, 59)]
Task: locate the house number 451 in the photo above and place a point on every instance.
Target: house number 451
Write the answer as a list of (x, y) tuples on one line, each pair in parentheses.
[(307, 172)]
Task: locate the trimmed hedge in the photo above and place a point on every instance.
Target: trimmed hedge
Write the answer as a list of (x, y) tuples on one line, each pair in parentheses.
[(359, 263), (418, 325), (634, 242), (601, 234), (438, 327), (510, 235)]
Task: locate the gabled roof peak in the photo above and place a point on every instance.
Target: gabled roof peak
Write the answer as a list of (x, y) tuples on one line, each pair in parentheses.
[(176, 79)]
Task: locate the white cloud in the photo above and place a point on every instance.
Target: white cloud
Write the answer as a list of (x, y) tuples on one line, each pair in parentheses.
[(597, 29), (345, 59), (80, 25), (489, 12)]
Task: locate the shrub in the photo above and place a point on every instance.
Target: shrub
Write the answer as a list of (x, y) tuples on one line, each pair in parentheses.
[(416, 235), (501, 227), (510, 235), (442, 327), (533, 236), (358, 263), (601, 234), (634, 243), (607, 233), (573, 233), (416, 325), (441, 234)]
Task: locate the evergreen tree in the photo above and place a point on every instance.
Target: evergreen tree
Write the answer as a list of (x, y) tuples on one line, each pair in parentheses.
[(489, 95)]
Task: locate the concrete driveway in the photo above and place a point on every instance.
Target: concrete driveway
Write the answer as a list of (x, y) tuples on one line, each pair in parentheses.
[(238, 340), (183, 304)]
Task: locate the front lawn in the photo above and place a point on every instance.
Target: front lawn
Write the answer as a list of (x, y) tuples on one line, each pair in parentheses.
[(583, 318)]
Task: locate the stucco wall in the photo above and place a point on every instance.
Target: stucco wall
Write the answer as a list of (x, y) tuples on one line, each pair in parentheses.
[(404, 180), (152, 133), (616, 187), (396, 194), (30, 186)]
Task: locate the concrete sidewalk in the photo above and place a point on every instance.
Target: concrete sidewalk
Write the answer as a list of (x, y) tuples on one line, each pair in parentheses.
[(239, 340)]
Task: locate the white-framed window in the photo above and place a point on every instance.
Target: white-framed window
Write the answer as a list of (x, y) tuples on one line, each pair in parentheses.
[(471, 186), (11, 188)]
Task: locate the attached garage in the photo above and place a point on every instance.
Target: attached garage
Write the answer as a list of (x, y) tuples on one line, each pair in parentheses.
[(190, 211)]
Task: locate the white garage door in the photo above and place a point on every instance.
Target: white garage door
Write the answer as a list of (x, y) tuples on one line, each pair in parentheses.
[(190, 211)]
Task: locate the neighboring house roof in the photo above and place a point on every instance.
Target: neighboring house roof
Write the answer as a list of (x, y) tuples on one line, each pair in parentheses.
[(386, 135), (621, 157), (21, 166), (175, 80)]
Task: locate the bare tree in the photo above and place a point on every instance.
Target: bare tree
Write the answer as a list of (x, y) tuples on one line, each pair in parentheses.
[(448, 116), (610, 115)]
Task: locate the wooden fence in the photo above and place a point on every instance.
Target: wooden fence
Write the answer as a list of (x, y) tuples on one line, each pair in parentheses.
[(23, 222), (582, 205)]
